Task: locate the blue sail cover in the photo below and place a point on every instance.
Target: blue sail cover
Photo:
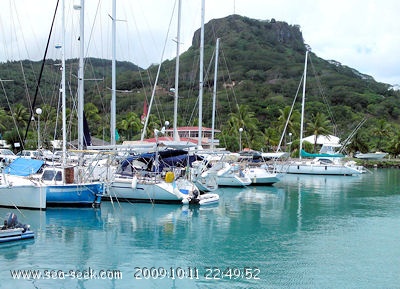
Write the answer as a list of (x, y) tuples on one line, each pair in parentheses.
[(167, 158), (23, 167)]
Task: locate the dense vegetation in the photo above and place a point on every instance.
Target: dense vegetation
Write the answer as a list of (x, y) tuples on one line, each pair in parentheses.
[(259, 72)]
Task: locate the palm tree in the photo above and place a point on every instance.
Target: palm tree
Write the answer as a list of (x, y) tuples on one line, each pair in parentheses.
[(319, 125), (21, 115), (293, 125), (92, 113), (12, 137), (152, 124), (269, 136), (357, 144), (131, 124), (246, 120), (4, 121), (381, 130), (394, 146)]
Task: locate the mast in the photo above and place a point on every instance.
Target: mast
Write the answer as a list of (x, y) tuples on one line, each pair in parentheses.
[(201, 74), (303, 104), (214, 93), (175, 124), (81, 76), (63, 89), (113, 76)]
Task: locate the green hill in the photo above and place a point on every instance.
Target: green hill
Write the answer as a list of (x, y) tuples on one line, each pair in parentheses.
[(260, 68)]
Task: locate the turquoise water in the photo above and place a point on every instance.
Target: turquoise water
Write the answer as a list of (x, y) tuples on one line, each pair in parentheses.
[(304, 232)]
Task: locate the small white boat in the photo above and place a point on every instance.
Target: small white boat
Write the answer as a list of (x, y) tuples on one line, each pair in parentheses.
[(371, 156), (260, 175), (12, 230), (202, 200)]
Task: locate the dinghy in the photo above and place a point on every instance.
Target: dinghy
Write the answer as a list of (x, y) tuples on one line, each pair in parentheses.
[(13, 230)]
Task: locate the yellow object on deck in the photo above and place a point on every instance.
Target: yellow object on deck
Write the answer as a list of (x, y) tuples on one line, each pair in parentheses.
[(169, 177)]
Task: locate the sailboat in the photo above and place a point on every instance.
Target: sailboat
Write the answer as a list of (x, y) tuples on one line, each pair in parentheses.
[(65, 185), (326, 163), (153, 177), (222, 172), (160, 175)]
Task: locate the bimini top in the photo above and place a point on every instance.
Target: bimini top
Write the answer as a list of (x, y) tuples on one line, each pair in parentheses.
[(23, 167), (166, 158)]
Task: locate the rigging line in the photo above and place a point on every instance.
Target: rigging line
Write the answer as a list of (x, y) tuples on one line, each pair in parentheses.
[(352, 134), (58, 111), (290, 114), (205, 81), (147, 71), (87, 59), (40, 74), (156, 81), (91, 33), (190, 92), (145, 92), (11, 111), (324, 97), (222, 53), (97, 87), (25, 86), (27, 52)]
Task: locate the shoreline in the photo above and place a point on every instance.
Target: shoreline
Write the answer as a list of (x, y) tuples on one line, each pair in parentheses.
[(382, 164)]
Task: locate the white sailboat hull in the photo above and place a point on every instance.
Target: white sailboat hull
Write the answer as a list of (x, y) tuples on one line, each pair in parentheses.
[(130, 189), (322, 169), (260, 176), (19, 192), (233, 181)]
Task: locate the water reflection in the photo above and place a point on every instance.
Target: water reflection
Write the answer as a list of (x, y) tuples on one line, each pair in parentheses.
[(287, 230), (320, 184), (12, 250)]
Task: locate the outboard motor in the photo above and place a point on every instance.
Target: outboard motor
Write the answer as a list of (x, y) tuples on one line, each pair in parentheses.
[(12, 220), (195, 199)]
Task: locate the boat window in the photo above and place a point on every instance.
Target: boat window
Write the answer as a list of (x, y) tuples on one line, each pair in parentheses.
[(58, 176), (50, 175)]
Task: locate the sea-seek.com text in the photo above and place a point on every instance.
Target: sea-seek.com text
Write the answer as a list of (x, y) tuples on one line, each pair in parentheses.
[(87, 274)]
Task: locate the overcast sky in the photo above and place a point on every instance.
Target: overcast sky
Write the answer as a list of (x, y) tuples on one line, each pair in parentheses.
[(362, 34)]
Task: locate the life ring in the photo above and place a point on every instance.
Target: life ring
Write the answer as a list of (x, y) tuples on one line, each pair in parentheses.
[(169, 177)]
